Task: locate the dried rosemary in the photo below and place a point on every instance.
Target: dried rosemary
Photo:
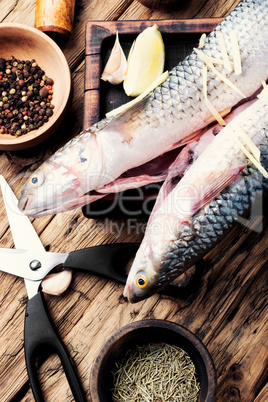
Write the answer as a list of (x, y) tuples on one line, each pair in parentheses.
[(157, 372)]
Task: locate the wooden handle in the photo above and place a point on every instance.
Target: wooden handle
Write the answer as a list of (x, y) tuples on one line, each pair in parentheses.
[(55, 17)]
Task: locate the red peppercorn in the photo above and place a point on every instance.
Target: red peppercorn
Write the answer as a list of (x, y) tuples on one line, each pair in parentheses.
[(48, 87)]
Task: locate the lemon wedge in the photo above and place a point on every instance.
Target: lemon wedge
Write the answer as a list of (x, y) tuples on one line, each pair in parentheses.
[(145, 61)]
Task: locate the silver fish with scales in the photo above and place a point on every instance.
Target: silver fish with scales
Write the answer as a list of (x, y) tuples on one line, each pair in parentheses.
[(192, 216), (95, 163)]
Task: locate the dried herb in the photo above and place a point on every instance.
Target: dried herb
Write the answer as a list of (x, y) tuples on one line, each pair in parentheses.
[(157, 372)]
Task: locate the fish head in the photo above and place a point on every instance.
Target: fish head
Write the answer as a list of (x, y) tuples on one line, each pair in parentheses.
[(64, 181), (142, 278), (49, 189), (151, 269)]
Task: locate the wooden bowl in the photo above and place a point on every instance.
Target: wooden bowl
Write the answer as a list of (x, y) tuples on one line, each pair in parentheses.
[(163, 5), (141, 333), (27, 43)]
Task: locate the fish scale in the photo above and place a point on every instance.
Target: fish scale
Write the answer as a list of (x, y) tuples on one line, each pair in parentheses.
[(186, 76)]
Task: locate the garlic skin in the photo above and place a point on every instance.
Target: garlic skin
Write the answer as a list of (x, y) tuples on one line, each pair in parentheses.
[(56, 283), (116, 67)]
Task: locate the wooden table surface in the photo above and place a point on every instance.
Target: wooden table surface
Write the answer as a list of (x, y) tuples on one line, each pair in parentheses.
[(226, 310)]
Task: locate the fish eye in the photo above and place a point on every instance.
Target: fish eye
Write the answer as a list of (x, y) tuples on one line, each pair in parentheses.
[(141, 281), (36, 179)]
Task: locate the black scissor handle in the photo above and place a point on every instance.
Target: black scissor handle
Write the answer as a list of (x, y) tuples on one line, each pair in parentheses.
[(108, 261), (40, 335)]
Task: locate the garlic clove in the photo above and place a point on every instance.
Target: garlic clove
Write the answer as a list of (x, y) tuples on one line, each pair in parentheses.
[(116, 67), (57, 283)]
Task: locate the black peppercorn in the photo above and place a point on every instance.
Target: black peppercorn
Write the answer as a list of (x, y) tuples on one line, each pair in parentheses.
[(25, 96), (43, 92), (49, 112), (5, 85), (49, 81)]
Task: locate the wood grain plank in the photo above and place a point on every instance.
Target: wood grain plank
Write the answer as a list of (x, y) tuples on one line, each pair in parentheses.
[(91, 102), (190, 9), (18, 11), (263, 395)]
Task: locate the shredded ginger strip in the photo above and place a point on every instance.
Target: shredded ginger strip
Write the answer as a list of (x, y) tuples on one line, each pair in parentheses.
[(253, 154)]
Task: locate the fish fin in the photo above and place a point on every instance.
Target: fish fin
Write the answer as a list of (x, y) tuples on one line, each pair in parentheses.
[(84, 200), (155, 166), (189, 138), (184, 160), (126, 183), (175, 173), (217, 182), (127, 122)]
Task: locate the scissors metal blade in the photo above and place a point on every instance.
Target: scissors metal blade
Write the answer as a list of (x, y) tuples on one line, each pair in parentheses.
[(28, 264), (25, 237), (23, 232)]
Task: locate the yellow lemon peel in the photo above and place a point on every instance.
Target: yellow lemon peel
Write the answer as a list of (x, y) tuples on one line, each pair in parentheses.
[(145, 62)]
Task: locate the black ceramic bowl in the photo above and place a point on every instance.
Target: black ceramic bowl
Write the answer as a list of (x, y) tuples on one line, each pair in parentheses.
[(142, 333)]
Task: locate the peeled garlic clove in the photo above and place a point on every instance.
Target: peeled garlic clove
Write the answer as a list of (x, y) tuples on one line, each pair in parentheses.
[(116, 67), (56, 284)]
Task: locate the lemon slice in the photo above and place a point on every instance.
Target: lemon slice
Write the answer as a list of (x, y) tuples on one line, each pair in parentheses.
[(145, 61)]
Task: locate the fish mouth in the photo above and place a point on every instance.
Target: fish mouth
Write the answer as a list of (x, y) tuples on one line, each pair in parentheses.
[(26, 206), (132, 297), (128, 294)]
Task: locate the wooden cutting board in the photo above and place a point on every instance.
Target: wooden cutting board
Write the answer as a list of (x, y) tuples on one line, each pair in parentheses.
[(179, 36)]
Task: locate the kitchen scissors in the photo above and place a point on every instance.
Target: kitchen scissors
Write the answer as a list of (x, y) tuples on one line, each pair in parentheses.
[(32, 262)]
